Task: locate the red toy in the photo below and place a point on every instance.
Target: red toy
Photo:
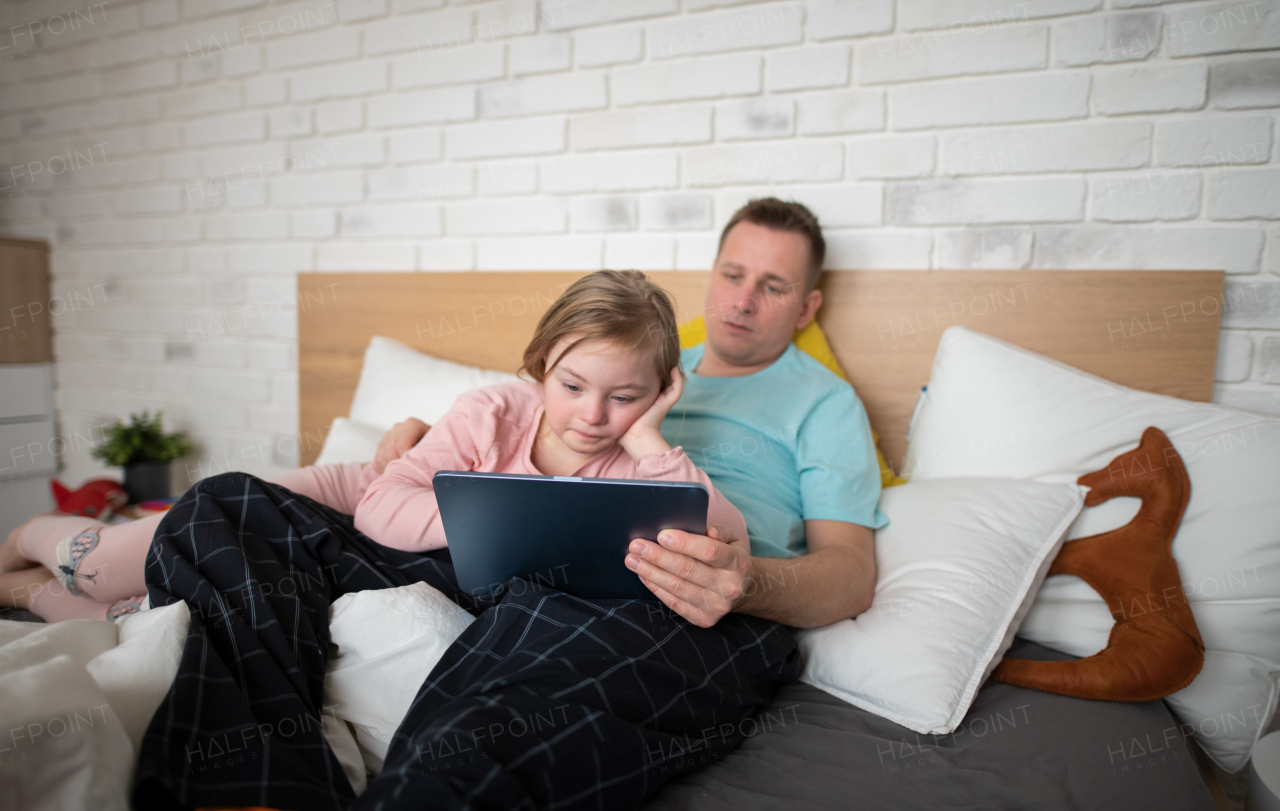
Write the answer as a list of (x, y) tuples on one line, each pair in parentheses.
[(95, 499)]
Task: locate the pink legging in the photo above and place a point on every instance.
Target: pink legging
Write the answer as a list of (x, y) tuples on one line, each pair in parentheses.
[(109, 577)]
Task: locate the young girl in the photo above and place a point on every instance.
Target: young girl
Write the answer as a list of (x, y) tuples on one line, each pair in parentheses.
[(604, 362)]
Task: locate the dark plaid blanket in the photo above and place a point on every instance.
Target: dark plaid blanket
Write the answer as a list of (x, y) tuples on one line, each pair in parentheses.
[(546, 701)]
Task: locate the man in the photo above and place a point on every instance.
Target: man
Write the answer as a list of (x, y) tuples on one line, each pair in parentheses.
[(785, 439)]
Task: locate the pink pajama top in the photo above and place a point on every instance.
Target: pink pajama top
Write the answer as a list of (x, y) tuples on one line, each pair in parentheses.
[(492, 430)]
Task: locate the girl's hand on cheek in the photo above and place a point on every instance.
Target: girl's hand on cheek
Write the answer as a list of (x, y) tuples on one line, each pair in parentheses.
[(643, 437), (651, 420)]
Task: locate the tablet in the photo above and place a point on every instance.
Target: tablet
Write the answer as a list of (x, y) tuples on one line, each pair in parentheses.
[(563, 532)]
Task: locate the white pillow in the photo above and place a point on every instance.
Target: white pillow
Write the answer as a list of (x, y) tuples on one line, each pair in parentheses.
[(955, 572), (23, 644), (98, 679), (136, 675), (994, 409), (398, 382), (66, 746), (349, 441), (338, 734), (388, 640)]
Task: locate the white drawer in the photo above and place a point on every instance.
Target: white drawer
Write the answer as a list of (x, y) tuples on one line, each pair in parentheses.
[(25, 390), (22, 498), (27, 448)]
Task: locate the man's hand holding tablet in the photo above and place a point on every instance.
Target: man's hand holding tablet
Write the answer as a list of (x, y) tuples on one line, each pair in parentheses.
[(700, 577)]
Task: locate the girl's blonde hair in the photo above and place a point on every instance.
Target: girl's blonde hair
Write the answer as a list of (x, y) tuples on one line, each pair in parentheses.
[(619, 306)]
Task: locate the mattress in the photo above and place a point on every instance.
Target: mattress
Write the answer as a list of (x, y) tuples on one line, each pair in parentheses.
[(1017, 748)]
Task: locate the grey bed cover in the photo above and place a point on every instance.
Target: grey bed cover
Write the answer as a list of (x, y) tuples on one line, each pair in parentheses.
[(1017, 748)]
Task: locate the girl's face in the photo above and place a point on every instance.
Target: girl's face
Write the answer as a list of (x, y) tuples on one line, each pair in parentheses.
[(596, 392)]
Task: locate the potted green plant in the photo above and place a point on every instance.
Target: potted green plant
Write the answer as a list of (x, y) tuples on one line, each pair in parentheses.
[(145, 452)]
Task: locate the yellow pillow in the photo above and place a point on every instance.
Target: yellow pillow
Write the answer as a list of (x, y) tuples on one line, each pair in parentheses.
[(813, 342)]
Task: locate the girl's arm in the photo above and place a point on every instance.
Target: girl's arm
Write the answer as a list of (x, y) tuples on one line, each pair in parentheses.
[(399, 509)]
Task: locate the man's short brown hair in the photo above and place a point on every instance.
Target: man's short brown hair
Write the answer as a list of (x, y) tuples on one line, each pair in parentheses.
[(784, 215)]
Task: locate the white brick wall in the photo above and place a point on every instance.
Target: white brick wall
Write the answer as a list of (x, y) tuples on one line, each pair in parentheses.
[(190, 155)]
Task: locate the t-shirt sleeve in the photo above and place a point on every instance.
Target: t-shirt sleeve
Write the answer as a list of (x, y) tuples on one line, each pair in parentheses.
[(399, 507), (836, 459)]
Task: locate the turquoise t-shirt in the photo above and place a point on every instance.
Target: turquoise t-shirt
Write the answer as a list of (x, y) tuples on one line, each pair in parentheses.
[(787, 444)]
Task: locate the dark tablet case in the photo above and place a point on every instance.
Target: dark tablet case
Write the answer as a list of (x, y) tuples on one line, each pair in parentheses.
[(561, 532)]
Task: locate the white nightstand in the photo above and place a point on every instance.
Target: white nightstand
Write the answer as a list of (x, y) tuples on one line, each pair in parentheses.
[(1264, 775), (28, 453)]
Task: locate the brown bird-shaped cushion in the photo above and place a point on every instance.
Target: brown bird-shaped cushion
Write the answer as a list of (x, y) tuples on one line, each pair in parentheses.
[(1154, 648)]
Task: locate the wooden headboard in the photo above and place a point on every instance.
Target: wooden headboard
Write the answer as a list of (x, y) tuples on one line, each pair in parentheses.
[(1152, 330)]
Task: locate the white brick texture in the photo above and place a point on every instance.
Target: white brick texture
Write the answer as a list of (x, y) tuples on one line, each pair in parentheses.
[(953, 52), (192, 155), (422, 107), (622, 171), (473, 63), (833, 19), (433, 34), (1057, 148), (1214, 141), (879, 249), (1157, 87), (1107, 38), (610, 46), (892, 156), (939, 202), (786, 162), (827, 114), (920, 14), (359, 79), (532, 216), (1235, 356), (757, 118), (693, 79), (540, 253), (984, 248), (661, 126), (546, 94), (604, 214), (1245, 194), (808, 67), (498, 139), (751, 27), (640, 253), (675, 212), (1236, 250), (541, 55), (1144, 196), (1245, 83), (1222, 27), (1001, 100)]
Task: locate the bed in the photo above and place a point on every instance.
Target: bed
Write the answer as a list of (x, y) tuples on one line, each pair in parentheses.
[(809, 749), (813, 750)]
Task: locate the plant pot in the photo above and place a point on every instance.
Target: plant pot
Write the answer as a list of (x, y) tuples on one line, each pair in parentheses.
[(147, 481)]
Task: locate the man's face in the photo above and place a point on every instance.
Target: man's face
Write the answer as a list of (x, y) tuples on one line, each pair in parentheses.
[(757, 297)]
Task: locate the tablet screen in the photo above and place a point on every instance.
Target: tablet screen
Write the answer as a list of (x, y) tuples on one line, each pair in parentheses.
[(562, 532)]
